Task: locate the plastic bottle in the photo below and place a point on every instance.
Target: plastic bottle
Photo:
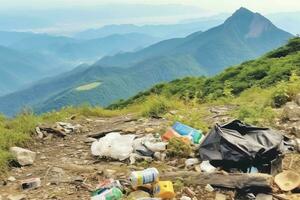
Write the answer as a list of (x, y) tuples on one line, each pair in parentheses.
[(187, 131), (111, 194), (164, 190), (139, 178)]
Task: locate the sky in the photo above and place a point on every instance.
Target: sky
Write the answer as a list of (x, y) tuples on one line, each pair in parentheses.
[(266, 6), (68, 16)]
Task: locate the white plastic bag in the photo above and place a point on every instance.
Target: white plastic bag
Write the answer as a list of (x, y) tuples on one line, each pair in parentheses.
[(114, 145)]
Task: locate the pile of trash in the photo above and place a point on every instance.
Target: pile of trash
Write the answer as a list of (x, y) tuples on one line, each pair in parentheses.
[(121, 147), (142, 185), (236, 150)]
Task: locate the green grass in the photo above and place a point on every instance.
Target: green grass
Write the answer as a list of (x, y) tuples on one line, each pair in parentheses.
[(89, 86)]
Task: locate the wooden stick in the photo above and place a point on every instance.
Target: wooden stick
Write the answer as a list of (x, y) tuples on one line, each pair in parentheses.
[(219, 179)]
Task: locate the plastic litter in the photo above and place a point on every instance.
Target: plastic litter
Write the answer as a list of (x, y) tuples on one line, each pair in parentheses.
[(109, 194), (171, 133), (205, 166), (139, 178), (108, 184), (239, 145), (114, 145), (191, 162), (156, 146), (164, 190), (31, 183), (184, 130)]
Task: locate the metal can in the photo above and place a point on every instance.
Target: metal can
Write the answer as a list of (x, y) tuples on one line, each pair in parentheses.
[(139, 178)]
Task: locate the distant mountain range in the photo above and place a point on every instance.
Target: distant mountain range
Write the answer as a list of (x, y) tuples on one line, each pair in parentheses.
[(161, 31), (28, 57), (244, 35)]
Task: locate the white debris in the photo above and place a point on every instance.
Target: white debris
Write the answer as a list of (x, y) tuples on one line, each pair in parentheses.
[(114, 145), (191, 162), (205, 166)]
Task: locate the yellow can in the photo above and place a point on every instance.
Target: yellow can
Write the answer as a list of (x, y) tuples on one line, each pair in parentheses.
[(164, 190)]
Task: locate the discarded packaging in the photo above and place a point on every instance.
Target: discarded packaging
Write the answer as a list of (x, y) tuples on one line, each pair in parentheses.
[(171, 133), (138, 178), (205, 166), (287, 180), (114, 145), (108, 184), (156, 146), (164, 190), (239, 145), (109, 194), (190, 132), (31, 183)]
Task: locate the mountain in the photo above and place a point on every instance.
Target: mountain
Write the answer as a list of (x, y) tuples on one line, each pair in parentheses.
[(95, 85), (78, 51), (269, 70), (166, 31), (244, 35), (17, 69)]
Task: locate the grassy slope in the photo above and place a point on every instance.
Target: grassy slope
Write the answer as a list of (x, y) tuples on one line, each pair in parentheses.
[(266, 71)]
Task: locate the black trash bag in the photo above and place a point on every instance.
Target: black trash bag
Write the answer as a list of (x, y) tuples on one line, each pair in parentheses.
[(237, 145)]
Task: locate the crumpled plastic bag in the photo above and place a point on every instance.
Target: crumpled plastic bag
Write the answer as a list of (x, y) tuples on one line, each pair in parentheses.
[(114, 145)]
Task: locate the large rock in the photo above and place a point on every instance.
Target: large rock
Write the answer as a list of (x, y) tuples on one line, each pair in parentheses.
[(291, 112), (23, 156)]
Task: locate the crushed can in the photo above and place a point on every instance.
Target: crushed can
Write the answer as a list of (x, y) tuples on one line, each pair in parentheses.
[(139, 178), (31, 183), (109, 194), (164, 190)]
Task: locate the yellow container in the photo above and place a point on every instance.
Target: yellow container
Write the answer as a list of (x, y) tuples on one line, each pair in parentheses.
[(164, 190)]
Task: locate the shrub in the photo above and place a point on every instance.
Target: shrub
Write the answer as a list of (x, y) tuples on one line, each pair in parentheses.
[(177, 148), (156, 106)]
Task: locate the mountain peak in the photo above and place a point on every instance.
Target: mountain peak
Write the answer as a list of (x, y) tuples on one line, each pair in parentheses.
[(243, 12), (251, 24)]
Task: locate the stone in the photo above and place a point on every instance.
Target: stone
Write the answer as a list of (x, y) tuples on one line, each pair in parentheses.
[(23, 156), (291, 112), (263, 197), (11, 179), (17, 197), (109, 173), (138, 194), (220, 196)]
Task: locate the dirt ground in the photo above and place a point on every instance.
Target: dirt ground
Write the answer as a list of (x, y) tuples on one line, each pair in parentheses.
[(63, 164)]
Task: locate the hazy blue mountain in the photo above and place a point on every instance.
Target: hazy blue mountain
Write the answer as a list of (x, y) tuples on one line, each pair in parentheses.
[(75, 50), (18, 69), (161, 31), (10, 37), (244, 35)]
